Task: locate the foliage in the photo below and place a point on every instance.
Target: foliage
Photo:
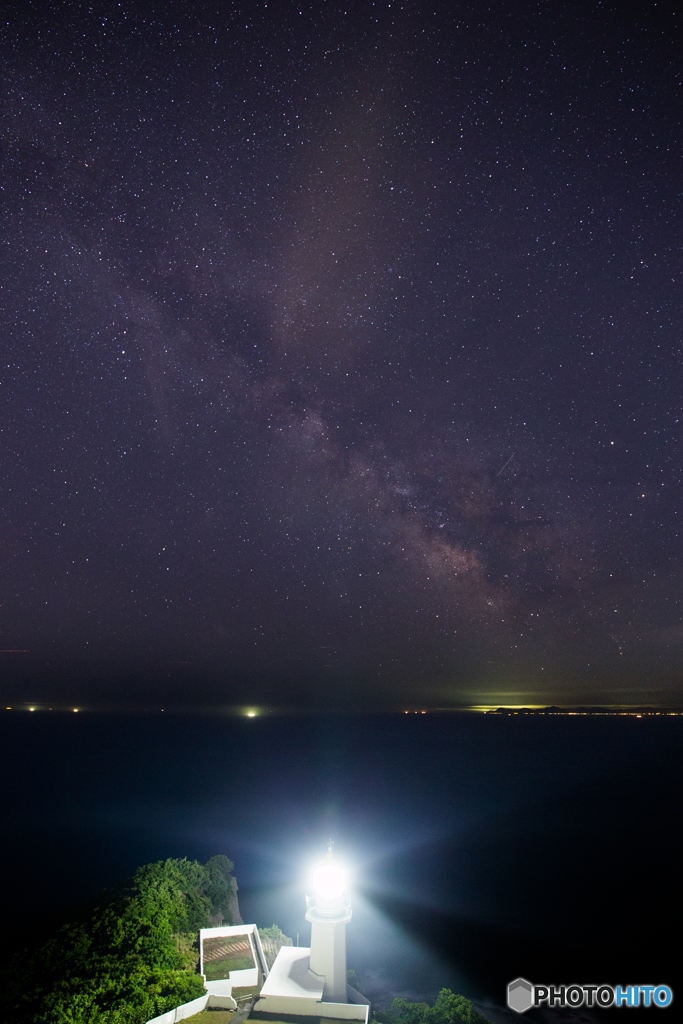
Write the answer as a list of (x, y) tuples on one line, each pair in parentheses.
[(187, 947), (130, 958), (276, 934), (272, 940), (449, 1008), (221, 885)]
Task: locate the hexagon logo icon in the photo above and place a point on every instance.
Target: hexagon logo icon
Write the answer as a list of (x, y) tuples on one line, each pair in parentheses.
[(520, 995)]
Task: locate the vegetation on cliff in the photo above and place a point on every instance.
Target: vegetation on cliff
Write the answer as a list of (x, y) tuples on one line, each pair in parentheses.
[(126, 959), (449, 1008), (272, 940)]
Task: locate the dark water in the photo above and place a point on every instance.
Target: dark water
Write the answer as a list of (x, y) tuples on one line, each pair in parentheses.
[(481, 848)]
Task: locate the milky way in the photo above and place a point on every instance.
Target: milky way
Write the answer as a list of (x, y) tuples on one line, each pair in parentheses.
[(343, 354)]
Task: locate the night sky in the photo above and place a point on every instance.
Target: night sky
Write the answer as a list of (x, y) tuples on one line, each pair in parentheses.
[(341, 354)]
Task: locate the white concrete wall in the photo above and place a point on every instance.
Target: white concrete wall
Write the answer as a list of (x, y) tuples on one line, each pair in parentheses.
[(222, 987), (299, 1005), (181, 1012), (189, 1009), (222, 1001), (303, 1007), (165, 1018), (259, 950), (345, 1011), (240, 979)]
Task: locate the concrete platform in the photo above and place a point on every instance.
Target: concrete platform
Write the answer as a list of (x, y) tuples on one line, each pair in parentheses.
[(291, 989)]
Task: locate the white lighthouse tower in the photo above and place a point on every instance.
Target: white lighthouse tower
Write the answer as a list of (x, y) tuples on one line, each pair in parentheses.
[(312, 982), (329, 912)]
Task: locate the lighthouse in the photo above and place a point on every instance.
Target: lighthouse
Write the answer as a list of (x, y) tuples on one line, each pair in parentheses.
[(329, 912), (312, 982)]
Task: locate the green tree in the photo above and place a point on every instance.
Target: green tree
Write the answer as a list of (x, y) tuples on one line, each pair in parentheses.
[(221, 884), (127, 959), (449, 1008), (407, 1012), (276, 934)]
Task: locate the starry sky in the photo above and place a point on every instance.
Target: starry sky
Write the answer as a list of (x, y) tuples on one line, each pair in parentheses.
[(341, 353)]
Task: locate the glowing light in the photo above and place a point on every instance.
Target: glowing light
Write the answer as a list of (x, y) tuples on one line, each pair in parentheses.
[(329, 881), (75, 709), (32, 709)]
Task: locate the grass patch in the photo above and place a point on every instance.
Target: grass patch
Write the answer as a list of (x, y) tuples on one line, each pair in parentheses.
[(213, 1016), (240, 991), (289, 1018), (219, 969)]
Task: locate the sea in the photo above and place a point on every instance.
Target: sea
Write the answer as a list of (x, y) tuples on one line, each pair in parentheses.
[(479, 848)]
